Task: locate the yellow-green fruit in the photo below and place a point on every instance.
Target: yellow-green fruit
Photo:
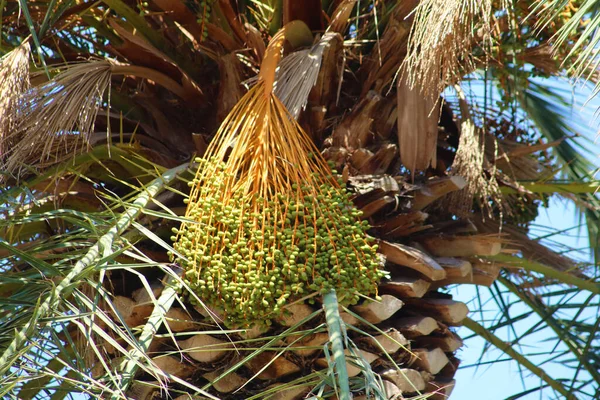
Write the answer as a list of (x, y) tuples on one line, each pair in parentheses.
[(254, 255)]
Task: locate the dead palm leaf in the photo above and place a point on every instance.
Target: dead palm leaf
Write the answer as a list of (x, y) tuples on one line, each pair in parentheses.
[(341, 16), (529, 248), (298, 73), (470, 162), (418, 116), (56, 118), (441, 41), (14, 81)]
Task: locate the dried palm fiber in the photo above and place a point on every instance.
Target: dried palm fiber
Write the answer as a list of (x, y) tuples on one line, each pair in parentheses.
[(341, 16), (513, 159), (513, 162), (470, 162), (14, 82), (441, 38), (272, 225), (57, 117), (297, 74), (380, 70)]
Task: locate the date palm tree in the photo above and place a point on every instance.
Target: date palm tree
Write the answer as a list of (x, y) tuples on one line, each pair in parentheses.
[(270, 199)]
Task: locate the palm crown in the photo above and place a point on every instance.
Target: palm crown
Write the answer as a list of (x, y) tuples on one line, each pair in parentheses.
[(279, 276)]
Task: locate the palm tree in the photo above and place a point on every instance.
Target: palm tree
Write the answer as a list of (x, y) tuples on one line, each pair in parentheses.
[(270, 286)]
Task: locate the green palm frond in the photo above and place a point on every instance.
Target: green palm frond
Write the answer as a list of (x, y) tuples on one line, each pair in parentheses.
[(547, 110), (497, 342), (56, 290), (557, 307), (516, 315), (89, 299), (577, 36)]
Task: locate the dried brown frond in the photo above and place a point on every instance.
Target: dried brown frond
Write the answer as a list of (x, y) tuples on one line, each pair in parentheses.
[(255, 42), (298, 72), (541, 57), (418, 116), (142, 53), (308, 11), (233, 19), (354, 131), (325, 94), (514, 159), (529, 248), (197, 30), (471, 163), (57, 117), (381, 68), (14, 81), (230, 87), (341, 17), (441, 41)]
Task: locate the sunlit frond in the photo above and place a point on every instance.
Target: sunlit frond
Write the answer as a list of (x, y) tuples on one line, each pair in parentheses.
[(442, 39), (14, 82), (57, 117)]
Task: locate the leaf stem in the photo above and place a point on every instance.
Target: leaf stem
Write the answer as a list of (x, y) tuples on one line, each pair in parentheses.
[(336, 338), (555, 187), (563, 276), (522, 360), (151, 74), (102, 248)]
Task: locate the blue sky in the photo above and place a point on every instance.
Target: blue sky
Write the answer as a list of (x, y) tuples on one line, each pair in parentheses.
[(502, 379)]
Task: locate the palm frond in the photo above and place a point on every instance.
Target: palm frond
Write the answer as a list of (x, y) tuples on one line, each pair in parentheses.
[(336, 335), (418, 117), (56, 118), (101, 250), (494, 340), (40, 53), (298, 73), (547, 110), (470, 162), (517, 312), (125, 322), (155, 39), (577, 36)]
